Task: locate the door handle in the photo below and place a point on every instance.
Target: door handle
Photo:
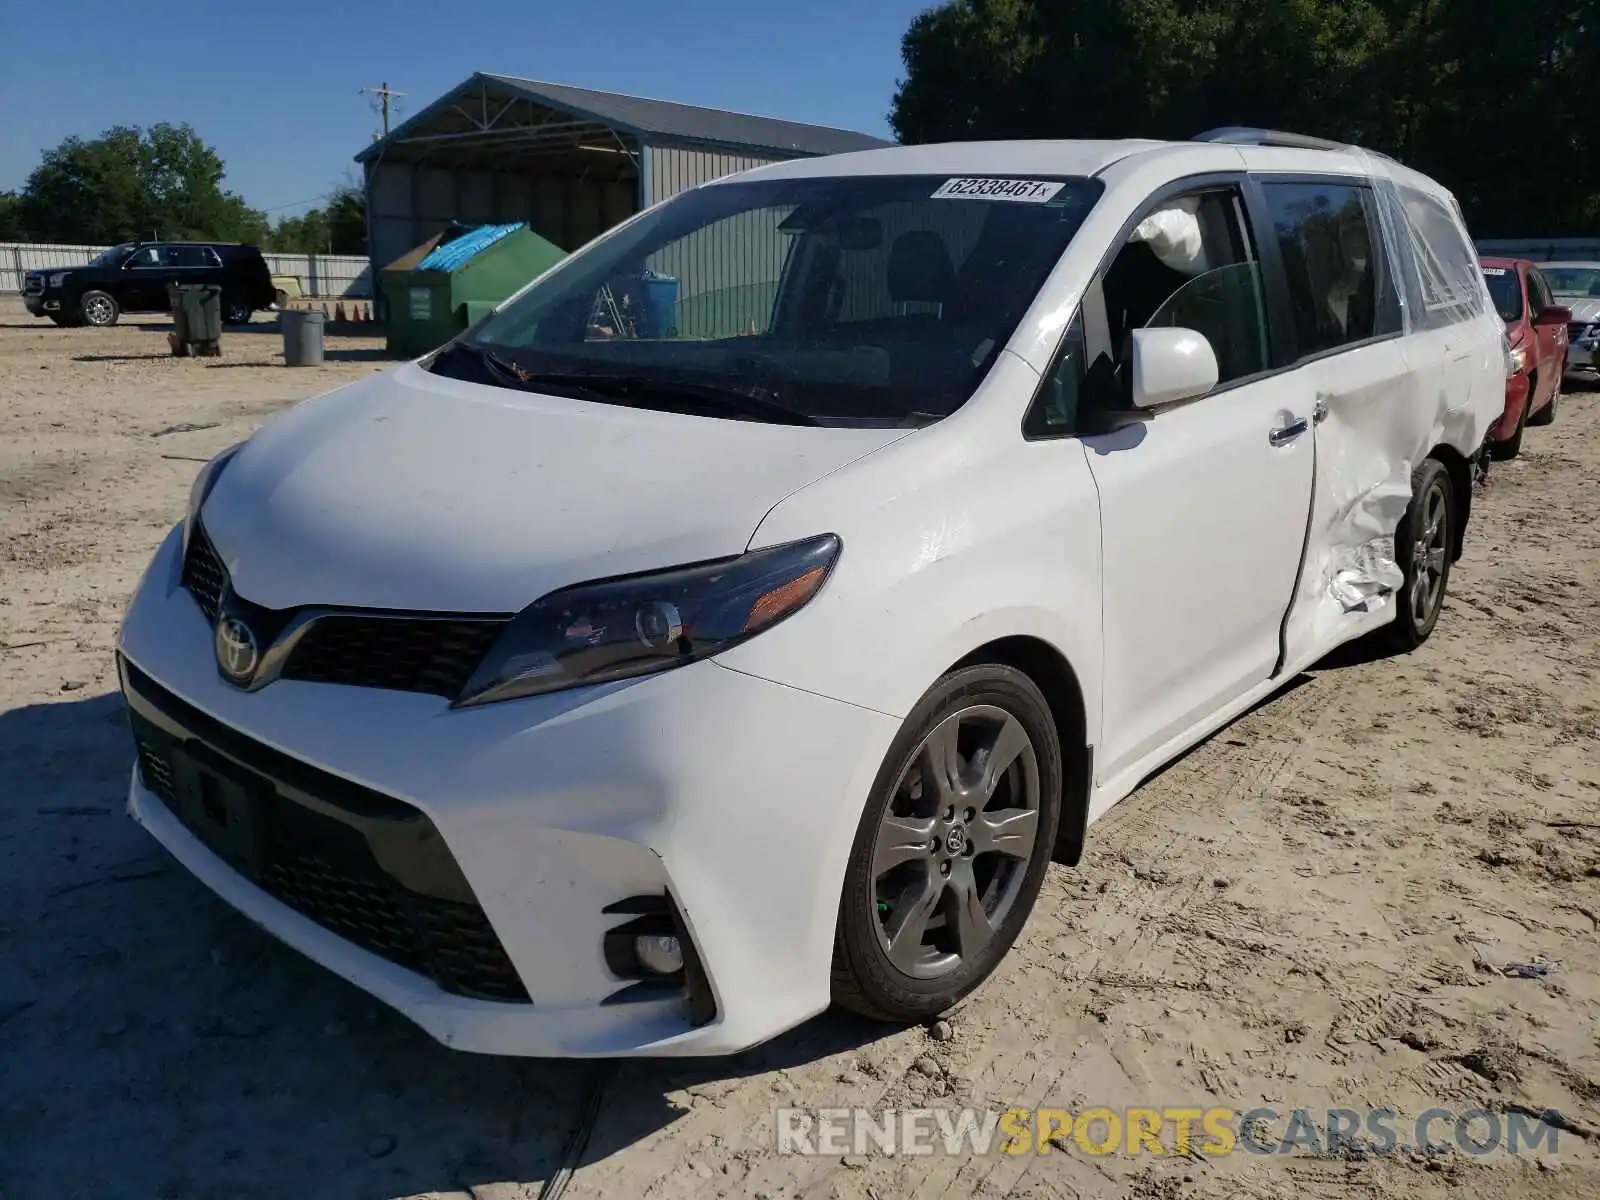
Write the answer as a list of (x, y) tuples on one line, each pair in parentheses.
[(1285, 434)]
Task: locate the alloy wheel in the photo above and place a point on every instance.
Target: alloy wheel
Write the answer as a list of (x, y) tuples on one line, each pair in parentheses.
[(955, 841), (98, 310), (1428, 557)]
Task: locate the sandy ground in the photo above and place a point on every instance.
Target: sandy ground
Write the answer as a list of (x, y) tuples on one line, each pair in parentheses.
[(1307, 910)]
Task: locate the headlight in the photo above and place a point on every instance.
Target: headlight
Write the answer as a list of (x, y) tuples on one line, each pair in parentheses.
[(202, 485), (57, 280), (641, 624), (1519, 359)]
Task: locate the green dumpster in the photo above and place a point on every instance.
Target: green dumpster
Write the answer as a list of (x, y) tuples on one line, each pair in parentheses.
[(453, 280)]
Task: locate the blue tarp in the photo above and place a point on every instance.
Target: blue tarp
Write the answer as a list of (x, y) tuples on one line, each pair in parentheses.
[(454, 254)]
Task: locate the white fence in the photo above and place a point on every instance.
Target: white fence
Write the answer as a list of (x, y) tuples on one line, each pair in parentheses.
[(321, 275), (1542, 249)]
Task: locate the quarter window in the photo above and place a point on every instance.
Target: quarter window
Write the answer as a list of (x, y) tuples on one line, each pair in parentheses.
[(1055, 409), (1446, 280), (1339, 289)]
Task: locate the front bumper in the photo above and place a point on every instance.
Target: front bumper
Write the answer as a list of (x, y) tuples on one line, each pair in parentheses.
[(737, 797), (40, 305)]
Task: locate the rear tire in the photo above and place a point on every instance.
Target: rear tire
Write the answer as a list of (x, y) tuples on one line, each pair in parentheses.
[(99, 310), (235, 311), (1547, 414), (950, 851), (1422, 548)]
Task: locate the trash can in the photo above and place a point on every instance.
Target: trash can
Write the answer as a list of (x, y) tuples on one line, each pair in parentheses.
[(302, 336), (196, 315)]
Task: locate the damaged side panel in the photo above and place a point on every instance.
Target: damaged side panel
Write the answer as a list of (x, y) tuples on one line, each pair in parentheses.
[(1384, 406)]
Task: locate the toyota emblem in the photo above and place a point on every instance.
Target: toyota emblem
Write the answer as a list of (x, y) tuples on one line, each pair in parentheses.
[(237, 654)]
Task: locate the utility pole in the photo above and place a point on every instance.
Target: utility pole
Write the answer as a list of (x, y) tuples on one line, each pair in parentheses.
[(383, 94)]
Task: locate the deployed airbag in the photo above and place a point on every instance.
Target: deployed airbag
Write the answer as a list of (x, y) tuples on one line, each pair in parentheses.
[(1174, 235)]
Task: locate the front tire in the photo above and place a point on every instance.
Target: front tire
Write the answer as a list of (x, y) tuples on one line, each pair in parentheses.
[(1547, 414), (952, 847), (1512, 446), (1422, 546), (99, 310)]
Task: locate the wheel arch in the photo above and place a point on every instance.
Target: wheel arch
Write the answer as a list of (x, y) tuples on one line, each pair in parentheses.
[(1459, 469), (1054, 676)]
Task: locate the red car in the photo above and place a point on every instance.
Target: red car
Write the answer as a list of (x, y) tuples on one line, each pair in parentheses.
[(1536, 327)]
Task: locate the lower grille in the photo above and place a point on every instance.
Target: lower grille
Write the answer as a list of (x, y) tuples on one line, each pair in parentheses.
[(322, 863), (154, 772)]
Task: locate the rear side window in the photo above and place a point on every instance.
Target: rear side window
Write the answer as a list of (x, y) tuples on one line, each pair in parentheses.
[(192, 256), (1441, 265), (1339, 287)]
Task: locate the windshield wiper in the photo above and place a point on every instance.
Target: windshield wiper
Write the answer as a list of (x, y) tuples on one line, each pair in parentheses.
[(619, 386), (624, 387)]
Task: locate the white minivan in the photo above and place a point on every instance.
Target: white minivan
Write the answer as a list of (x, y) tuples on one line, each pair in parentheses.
[(742, 617)]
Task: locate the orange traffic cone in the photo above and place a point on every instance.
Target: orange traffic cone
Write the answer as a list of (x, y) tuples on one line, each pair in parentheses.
[(338, 312)]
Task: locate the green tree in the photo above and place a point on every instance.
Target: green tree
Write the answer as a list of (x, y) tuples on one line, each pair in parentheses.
[(164, 182), (10, 222), (339, 228), (1493, 97)]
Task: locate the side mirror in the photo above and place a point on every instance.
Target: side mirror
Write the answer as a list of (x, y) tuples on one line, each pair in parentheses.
[(1171, 364), (1553, 314)]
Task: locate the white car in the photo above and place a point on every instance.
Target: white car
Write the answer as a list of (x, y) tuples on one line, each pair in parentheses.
[(741, 617), (1577, 286)]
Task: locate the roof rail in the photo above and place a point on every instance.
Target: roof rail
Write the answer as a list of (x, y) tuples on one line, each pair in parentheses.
[(1246, 135)]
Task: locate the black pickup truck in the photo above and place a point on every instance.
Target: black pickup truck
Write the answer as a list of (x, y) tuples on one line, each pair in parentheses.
[(133, 278)]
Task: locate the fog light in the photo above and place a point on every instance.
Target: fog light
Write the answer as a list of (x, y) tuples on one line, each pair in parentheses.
[(659, 955)]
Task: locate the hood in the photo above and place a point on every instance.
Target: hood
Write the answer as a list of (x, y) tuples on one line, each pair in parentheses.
[(412, 491)]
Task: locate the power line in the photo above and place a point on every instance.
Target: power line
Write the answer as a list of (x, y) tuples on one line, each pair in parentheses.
[(297, 203)]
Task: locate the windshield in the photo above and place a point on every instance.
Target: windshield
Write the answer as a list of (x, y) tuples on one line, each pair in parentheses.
[(857, 300), (1573, 281), (112, 256), (1505, 291)]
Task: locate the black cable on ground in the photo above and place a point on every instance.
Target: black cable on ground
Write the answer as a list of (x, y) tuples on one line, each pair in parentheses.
[(579, 1142)]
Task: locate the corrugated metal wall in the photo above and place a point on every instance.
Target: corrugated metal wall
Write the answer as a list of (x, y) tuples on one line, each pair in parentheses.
[(669, 170), (409, 204), (728, 272)]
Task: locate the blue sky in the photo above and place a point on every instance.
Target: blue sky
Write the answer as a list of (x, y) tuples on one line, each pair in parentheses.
[(274, 86)]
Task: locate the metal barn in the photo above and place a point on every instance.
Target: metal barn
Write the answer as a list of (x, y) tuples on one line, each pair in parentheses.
[(569, 161)]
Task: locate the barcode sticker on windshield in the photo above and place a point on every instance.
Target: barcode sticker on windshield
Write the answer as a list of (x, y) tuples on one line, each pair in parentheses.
[(1022, 191)]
